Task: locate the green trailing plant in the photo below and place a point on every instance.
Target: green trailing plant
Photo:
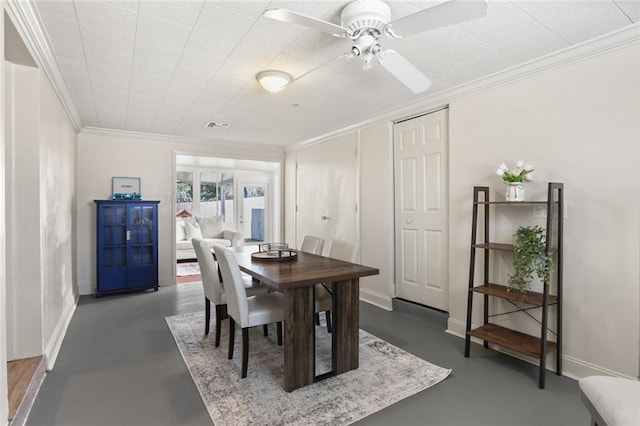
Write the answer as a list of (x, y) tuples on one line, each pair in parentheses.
[(530, 257)]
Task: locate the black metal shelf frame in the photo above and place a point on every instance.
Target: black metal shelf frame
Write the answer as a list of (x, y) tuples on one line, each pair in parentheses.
[(554, 228)]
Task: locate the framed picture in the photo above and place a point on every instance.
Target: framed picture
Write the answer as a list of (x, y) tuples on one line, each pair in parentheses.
[(125, 187)]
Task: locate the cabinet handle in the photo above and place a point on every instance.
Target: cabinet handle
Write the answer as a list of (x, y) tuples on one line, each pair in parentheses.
[(409, 221), (128, 235), (324, 217)]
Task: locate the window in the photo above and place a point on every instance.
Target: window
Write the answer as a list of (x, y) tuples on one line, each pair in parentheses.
[(184, 192), (205, 194), (226, 196), (209, 196)]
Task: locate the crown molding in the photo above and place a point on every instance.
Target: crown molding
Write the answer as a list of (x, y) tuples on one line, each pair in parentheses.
[(157, 137), (27, 22), (598, 46)]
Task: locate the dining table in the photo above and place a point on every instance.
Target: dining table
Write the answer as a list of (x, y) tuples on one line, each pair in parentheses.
[(296, 279)]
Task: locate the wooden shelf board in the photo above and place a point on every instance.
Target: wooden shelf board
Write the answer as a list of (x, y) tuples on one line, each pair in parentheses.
[(531, 298), (494, 246), (515, 203), (511, 339)]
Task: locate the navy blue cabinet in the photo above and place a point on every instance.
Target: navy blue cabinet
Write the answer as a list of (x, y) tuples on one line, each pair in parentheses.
[(127, 245)]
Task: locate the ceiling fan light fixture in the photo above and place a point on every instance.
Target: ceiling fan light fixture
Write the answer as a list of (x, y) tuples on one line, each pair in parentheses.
[(273, 81)]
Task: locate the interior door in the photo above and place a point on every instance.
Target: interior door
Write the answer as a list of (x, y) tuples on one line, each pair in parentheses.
[(326, 190), (253, 212), (339, 184), (421, 209), (309, 193)]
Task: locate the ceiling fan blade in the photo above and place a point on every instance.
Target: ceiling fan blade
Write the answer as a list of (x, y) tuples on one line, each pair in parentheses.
[(291, 17), (405, 71), (441, 15)]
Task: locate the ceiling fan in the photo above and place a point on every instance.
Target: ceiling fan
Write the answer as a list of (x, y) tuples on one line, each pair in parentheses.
[(365, 21)]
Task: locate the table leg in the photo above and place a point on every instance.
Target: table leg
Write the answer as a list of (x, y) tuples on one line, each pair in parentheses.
[(299, 338), (346, 323)]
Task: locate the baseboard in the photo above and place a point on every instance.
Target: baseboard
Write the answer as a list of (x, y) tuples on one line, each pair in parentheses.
[(52, 347), (29, 398), (427, 313), (573, 368), (378, 299)]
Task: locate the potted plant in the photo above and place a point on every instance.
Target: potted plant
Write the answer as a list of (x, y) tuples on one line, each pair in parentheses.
[(530, 257), (514, 179)]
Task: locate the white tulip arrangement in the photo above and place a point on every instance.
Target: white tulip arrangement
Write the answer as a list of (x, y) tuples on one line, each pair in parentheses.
[(520, 173)]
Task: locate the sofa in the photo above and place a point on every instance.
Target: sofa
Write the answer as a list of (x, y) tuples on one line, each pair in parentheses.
[(209, 228)]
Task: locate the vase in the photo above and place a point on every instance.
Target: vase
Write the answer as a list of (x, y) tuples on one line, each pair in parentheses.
[(515, 191)]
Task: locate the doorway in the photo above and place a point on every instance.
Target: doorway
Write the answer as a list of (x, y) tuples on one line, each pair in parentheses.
[(246, 193)]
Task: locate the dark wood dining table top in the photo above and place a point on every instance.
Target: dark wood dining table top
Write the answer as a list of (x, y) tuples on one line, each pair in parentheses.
[(305, 270)]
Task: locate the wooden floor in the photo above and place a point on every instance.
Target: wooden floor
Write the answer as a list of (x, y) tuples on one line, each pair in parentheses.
[(189, 278), (19, 374)]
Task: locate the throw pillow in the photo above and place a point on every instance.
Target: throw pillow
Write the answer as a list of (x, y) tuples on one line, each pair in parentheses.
[(211, 226), (180, 231), (193, 230)]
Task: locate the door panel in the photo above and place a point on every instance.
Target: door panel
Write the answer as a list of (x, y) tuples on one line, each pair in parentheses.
[(420, 155), (410, 262), (408, 173), (339, 188), (309, 193), (433, 261), (253, 210)]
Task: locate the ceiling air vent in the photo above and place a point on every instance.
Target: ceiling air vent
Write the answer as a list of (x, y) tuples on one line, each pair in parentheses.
[(213, 124)]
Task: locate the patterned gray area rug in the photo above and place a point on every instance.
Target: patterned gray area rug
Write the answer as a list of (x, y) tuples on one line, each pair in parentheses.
[(386, 375)]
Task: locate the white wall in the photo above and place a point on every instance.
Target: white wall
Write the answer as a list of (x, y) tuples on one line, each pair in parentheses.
[(376, 213), (4, 398), (40, 206), (102, 156), (580, 125), (24, 287), (57, 199)]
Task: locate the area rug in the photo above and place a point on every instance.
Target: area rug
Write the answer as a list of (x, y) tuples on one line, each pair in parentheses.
[(386, 375), (184, 269)]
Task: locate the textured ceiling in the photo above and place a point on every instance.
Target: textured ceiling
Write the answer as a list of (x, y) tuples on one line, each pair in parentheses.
[(168, 67)]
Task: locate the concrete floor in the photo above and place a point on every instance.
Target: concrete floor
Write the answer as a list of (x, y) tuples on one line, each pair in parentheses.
[(119, 365)]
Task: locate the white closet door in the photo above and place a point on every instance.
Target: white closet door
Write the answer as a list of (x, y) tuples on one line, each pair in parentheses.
[(421, 184), (326, 190), (309, 193), (339, 170)]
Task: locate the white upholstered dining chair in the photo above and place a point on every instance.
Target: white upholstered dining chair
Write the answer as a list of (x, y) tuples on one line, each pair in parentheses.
[(248, 311), (341, 250), (312, 244), (213, 288)]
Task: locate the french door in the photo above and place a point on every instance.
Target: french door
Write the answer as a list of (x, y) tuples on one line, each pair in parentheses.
[(254, 212)]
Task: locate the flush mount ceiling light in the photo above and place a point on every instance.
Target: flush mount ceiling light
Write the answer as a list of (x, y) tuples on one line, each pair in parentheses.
[(273, 81)]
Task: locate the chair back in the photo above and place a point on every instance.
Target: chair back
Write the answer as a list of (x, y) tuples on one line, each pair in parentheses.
[(343, 250), (236, 294), (213, 289), (312, 245)]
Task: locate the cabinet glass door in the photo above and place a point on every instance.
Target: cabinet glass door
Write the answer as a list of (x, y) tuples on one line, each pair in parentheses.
[(141, 271), (112, 242)]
